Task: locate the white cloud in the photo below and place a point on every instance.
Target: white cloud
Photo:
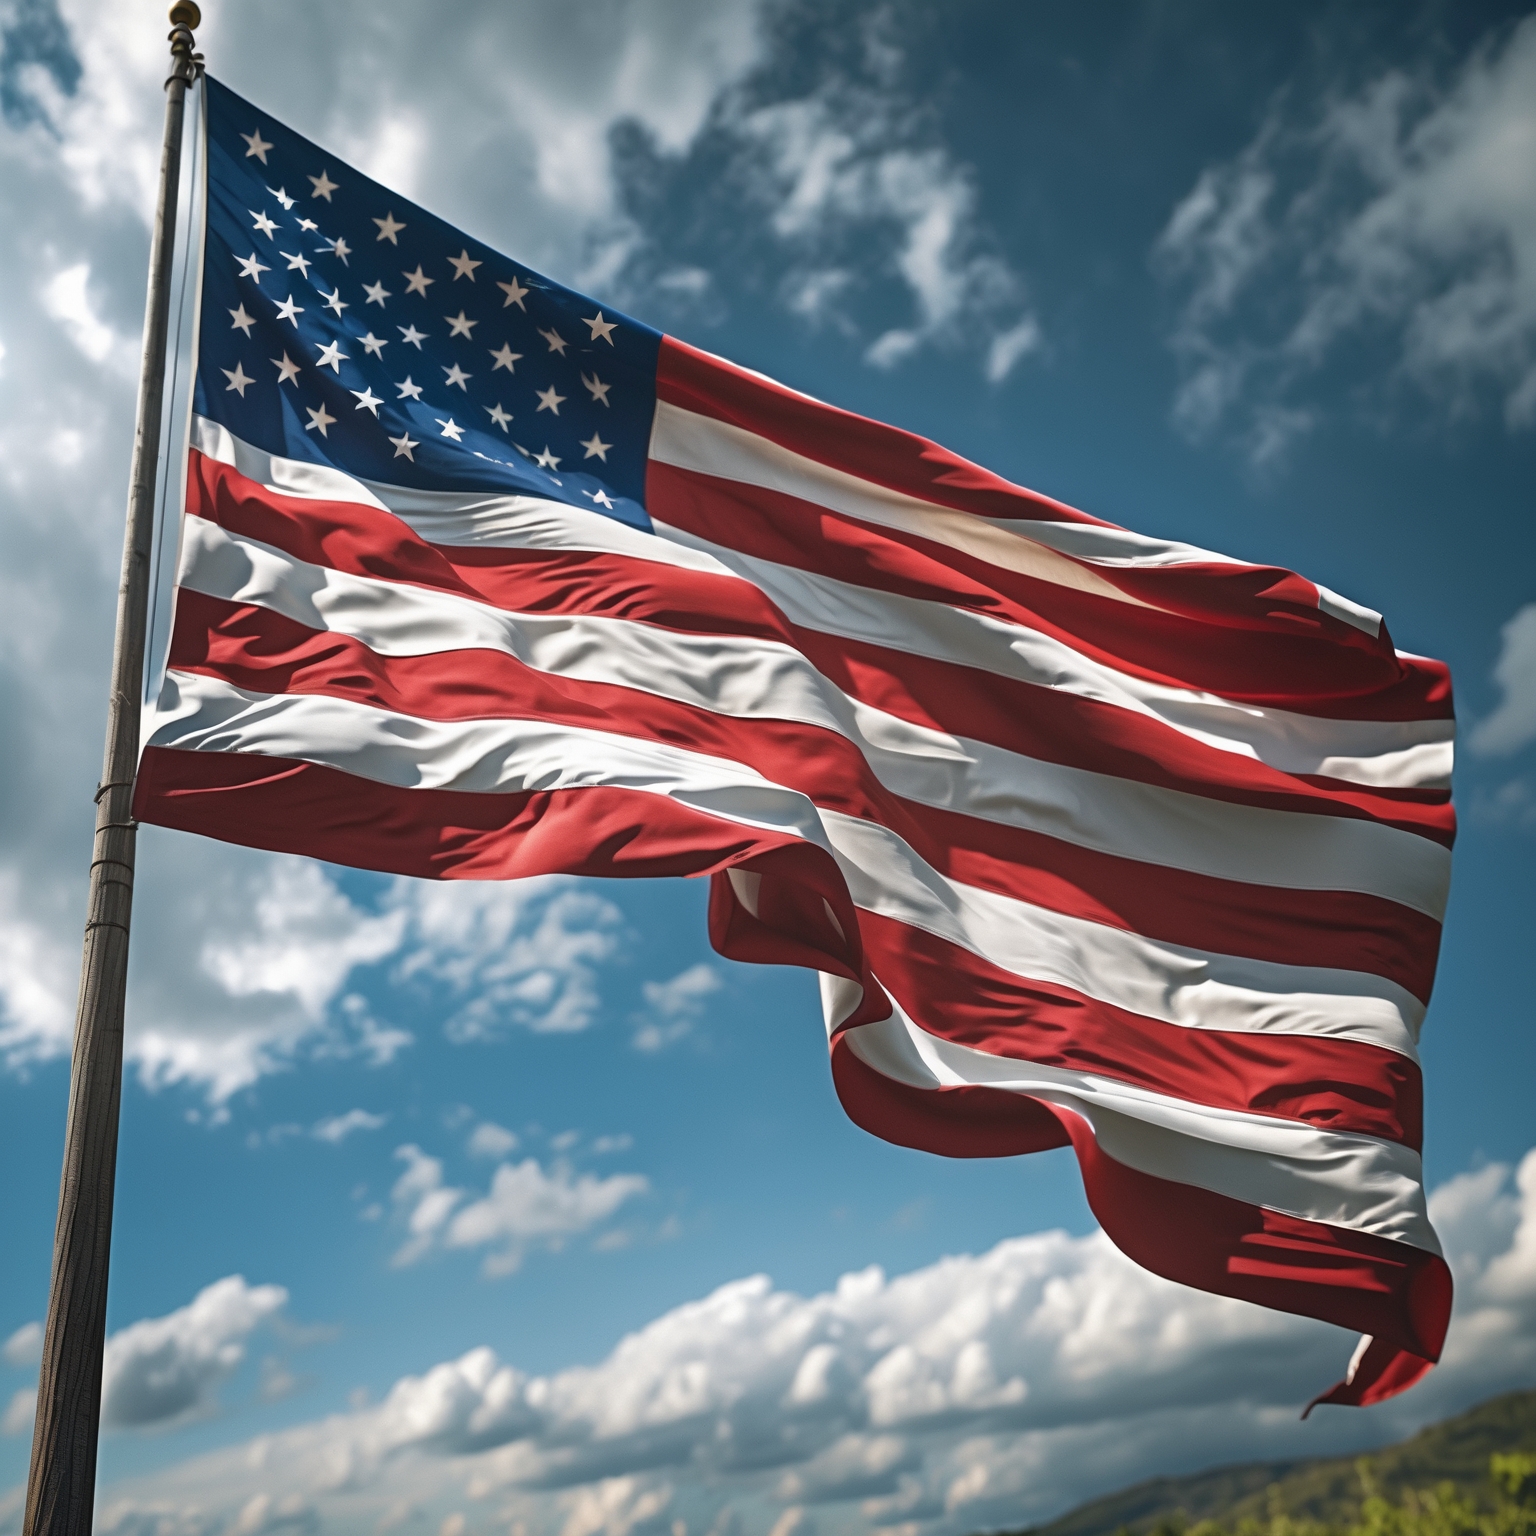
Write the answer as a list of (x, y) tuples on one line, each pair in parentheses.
[(66, 298), (20, 1412), (164, 1369), (516, 953), (526, 1206), (1513, 724), (977, 1391), (674, 1007), (491, 1140), (336, 1128), (847, 166), (25, 1346), (1400, 213)]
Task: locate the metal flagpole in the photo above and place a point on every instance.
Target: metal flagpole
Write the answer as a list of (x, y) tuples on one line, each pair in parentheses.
[(61, 1488)]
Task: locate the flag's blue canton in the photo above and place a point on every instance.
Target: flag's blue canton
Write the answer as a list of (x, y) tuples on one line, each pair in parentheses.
[(345, 325)]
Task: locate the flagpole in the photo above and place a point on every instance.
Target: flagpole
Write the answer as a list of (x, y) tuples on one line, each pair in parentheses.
[(61, 1486)]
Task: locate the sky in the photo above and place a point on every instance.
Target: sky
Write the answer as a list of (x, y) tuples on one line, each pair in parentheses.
[(472, 1209)]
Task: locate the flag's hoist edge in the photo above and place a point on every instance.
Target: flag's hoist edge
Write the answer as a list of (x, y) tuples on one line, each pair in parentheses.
[(1092, 838)]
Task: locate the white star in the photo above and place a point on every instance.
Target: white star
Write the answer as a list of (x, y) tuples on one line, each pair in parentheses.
[(281, 196), (334, 301), (340, 249), (367, 400), (237, 379), (506, 357), (263, 223), (546, 460), (331, 356), (323, 186), (298, 263), (256, 145), (596, 388), (321, 418), (417, 281), (243, 321), (557, 342), (287, 369), (451, 428), (499, 416), (403, 445), (412, 335), (377, 293), (602, 498), (308, 225), (408, 390), (549, 400), (464, 266), (456, 375), (596, 448), (288, 310), (460, 326), (514, 292), (388, 228), (250, 267), (600, 327), (373, 345)]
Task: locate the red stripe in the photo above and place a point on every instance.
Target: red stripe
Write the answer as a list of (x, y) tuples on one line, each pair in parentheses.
[(1396, 1292), (1266, 597), (1335, 1085), (698, 381), (1299, 665), (1020, 717), (264, 652)]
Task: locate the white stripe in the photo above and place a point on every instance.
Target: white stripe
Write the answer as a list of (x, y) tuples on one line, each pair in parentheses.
[(750, 678), (1357, 1182), (1404, 754), (690, 441), (1192, 988), (204, 714), (1391, 754)]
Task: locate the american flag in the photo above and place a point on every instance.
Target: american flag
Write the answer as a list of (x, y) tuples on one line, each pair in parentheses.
[(1094, 838)]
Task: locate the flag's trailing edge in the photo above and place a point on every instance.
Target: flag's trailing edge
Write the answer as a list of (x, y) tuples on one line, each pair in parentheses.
[(1093, 838)]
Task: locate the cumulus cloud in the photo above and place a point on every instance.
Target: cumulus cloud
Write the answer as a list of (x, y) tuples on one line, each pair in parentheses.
[(1396, 215), (336, 1128), (855, 165), (25, 1346), (526, 1206), (164, 1369), (674, 1007), (20, 1412), (521, 953), (1513, 724), (979, 1391), (491, 1140)]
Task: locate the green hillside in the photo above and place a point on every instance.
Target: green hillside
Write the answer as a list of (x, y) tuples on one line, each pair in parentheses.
[(1327, 1490)]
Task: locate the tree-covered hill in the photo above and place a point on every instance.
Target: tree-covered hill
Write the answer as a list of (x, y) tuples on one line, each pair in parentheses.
[(1326, 1491)]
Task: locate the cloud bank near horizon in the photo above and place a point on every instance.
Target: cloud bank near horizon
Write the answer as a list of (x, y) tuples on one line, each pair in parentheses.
[(981, 1390)]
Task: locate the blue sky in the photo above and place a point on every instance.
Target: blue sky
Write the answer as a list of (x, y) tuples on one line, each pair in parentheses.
[(427, 1195)]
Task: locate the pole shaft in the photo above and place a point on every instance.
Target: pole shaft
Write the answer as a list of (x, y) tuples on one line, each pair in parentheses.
[(61, 1487)]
